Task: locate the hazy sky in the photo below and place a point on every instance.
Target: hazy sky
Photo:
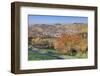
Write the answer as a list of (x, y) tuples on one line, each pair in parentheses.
[(44, 19)]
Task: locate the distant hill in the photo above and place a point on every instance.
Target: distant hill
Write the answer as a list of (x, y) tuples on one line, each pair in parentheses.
[(56, 29)]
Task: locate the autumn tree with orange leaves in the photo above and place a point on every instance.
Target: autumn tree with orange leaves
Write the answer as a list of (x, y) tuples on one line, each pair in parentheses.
[(66, 42)]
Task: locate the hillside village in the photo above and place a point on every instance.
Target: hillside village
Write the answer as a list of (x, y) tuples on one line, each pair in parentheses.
[(56, 30)]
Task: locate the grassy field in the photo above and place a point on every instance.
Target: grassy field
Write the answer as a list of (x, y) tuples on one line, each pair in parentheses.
[(50, 54)]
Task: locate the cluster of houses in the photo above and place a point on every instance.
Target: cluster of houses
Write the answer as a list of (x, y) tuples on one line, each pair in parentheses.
[(56, 33)]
